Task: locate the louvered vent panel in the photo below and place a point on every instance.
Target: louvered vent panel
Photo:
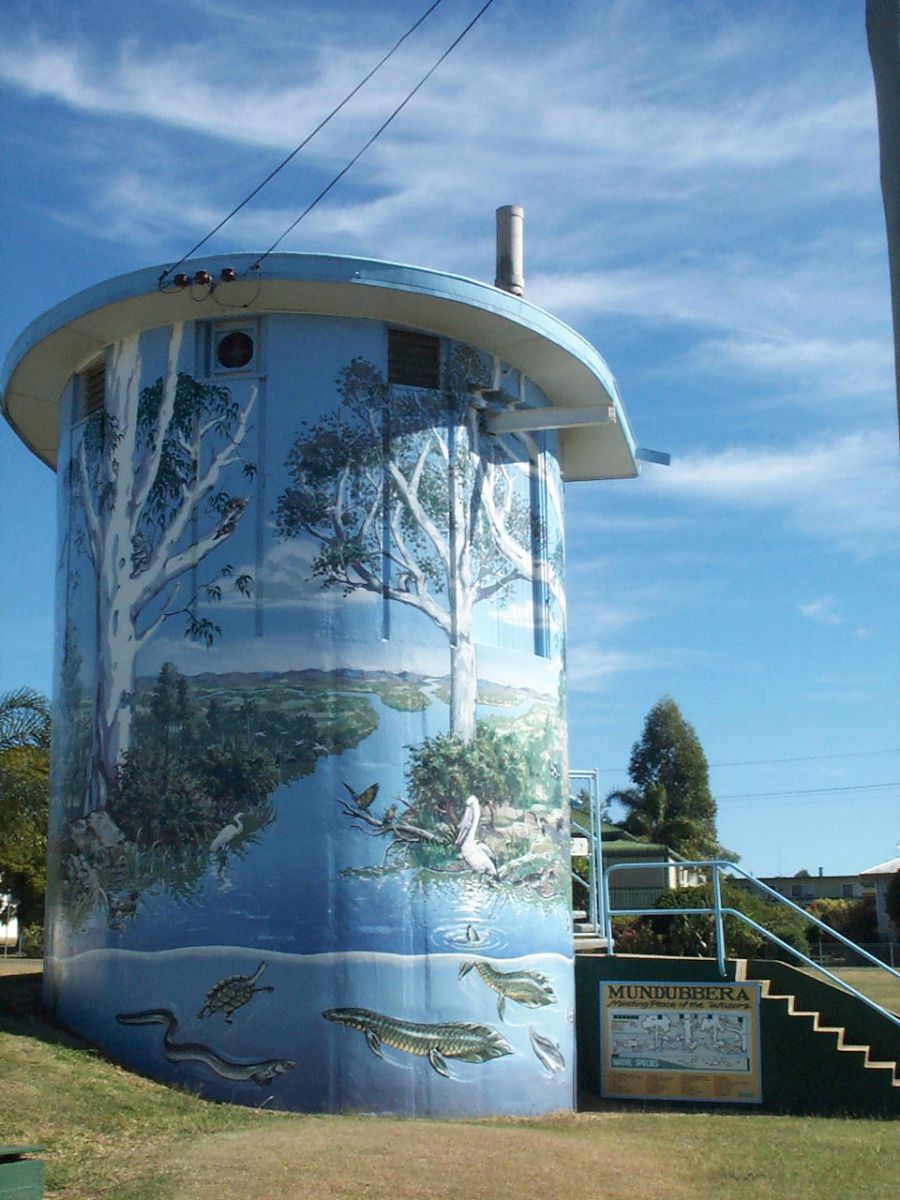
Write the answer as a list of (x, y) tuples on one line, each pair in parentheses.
[(414, 359), (93, 389)]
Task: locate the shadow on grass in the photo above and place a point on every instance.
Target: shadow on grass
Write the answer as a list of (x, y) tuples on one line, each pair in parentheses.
[(22, 1012)]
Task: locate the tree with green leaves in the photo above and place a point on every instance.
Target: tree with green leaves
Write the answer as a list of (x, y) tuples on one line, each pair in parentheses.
[(147, 475), (682, 934), (24, 797), (670, 801), (403, 494)]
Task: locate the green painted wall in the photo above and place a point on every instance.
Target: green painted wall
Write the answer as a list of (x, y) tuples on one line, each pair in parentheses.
[(802, 1069)]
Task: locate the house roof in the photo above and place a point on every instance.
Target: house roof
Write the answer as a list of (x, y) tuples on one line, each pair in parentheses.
[(620, 842), (885, 868), (651, 851), (773, 879)]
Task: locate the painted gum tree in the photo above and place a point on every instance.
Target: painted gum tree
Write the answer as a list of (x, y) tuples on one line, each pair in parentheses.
[(146, 473), (404, 496)]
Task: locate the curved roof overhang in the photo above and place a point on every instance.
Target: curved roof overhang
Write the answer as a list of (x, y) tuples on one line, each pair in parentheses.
[(572, 375)]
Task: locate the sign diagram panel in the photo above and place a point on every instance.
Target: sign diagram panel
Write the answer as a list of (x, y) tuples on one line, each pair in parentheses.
[(681, 1041)]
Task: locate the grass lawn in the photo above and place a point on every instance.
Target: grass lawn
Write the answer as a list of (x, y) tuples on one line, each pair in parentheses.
[(112, 1135), (878, 985)]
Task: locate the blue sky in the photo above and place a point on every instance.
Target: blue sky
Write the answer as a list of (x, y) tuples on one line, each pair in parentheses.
[(701, 190)]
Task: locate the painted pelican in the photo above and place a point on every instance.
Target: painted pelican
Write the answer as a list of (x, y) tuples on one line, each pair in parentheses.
[(475, 854), (228, 834)]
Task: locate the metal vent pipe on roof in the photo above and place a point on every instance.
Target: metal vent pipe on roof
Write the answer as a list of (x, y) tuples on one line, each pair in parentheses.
[(510, 249)]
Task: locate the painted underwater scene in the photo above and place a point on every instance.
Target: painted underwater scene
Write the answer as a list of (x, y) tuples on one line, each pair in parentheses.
[(310, 1040)]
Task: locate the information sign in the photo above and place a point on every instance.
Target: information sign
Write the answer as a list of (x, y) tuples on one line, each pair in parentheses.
[(681, 1041)]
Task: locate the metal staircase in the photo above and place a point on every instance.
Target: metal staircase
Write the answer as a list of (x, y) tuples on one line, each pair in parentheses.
[(827, 1048)]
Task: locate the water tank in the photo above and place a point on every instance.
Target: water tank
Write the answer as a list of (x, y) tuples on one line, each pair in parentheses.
[(309, 828)]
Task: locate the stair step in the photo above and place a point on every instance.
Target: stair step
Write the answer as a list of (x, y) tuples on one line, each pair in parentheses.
[(861, 1056)]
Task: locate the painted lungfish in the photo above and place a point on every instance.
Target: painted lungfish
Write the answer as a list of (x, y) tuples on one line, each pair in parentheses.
[(454, 1039), (531, 988)]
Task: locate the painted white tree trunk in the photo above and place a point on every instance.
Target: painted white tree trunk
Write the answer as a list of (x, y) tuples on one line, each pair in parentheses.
[(463, 688), (116, 651), (114, 492)]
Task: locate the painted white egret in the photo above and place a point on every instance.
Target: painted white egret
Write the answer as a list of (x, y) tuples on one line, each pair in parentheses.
[(228, 834)]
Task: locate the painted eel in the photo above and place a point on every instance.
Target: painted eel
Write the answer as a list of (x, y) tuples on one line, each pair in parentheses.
[(464, 1040), (531, 988), (261, 1073), (547, 1052)]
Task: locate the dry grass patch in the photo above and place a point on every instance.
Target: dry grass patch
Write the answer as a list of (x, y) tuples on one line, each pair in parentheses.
[(622, 1155), (356, 1158)]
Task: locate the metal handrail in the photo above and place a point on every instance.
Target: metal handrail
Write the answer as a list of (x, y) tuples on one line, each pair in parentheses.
[(594, 834), (591, 884), (718, 913)]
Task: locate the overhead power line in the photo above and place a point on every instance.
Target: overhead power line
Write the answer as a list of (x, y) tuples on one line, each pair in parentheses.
[(378, 132), (858, 787), (769, 762), (765, 762), (309, 137)]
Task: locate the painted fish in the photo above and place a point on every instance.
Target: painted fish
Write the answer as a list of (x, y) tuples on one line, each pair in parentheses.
[(531, 988), (261, 1073), (547, 1051), (464, 1040)]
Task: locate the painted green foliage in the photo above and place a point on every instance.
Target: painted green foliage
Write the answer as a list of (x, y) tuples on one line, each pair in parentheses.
[(150, 504), (499, 782), (403, 494), (195, 787)]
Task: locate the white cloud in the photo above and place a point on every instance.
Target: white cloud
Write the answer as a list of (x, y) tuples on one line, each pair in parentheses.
[(773, 317), (839, 367), (821, 611), (171, 88), (598, 619), (652, 146), (845, 489), (590, 667)]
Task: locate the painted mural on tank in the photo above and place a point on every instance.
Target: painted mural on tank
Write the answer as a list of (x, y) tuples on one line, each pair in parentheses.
[(310, 825)]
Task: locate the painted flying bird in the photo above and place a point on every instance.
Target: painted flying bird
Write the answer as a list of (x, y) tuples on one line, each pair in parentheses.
[(365, 798), (227, 835), (475, 854)]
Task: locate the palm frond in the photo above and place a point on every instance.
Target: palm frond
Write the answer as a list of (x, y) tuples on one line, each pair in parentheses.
[(24, 719)]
